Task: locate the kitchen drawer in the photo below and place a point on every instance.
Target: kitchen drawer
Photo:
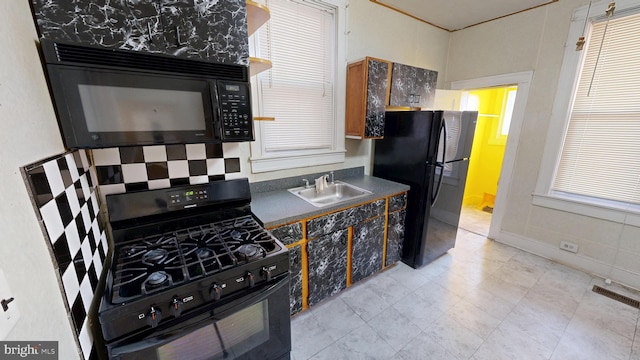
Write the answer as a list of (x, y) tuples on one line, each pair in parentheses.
[(397, 202), (343, 219), (288, 234)]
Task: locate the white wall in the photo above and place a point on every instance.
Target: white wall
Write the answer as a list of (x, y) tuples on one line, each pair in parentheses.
[(374, 30), (535, 40), (28, 133)]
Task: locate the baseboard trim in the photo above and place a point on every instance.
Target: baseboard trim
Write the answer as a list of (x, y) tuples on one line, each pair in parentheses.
[(590, 266)]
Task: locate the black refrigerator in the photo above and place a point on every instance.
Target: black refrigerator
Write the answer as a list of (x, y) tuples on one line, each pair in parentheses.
[(430, 152)]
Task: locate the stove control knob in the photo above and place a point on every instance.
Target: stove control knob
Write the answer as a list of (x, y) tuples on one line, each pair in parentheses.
[(154, 316), (216, 290), (250, 279), (267, 273), (176, 307)]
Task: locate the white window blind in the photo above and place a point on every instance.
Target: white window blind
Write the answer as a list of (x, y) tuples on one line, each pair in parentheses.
[(601, 152), (299, 89)]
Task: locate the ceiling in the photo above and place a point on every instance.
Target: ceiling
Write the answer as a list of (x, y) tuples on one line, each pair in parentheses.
[(454, 15)]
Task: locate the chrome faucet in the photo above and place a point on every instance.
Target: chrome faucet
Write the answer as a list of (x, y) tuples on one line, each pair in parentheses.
[(306, 183), (321, 183)]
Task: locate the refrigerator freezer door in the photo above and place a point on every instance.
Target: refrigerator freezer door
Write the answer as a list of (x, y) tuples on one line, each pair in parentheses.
[(460, 125), (402, 155)]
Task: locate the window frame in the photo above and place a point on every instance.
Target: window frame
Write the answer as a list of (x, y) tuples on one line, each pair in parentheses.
[(544, 195), (264, 161)]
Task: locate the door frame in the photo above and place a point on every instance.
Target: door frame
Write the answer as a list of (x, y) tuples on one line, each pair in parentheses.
[(523, 81)]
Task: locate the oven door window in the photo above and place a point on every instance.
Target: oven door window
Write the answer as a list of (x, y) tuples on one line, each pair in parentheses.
[(100, 108), (224, 339)]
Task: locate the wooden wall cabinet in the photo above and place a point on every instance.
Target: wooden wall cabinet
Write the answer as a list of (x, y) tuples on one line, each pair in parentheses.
[(375, 86), (367, 96)]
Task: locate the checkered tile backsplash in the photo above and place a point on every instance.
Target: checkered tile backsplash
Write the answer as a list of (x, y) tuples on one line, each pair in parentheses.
[(64, 193), (153, 167), (63, 189)]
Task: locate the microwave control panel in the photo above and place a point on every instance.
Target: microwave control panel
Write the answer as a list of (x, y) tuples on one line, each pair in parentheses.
[(235, 111)]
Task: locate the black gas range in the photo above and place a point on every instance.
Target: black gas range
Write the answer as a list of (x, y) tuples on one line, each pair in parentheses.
[(194, 276)]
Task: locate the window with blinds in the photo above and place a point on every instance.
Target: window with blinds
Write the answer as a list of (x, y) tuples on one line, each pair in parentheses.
[(299, 89), (601, 153)]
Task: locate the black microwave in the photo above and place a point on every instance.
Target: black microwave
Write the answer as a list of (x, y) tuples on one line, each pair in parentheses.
[(108, 98)]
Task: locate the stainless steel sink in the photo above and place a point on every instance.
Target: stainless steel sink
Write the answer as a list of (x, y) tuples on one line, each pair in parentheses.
[(335, 193)]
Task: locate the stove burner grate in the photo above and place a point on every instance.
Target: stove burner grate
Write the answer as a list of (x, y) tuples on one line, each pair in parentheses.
[(159, 262)]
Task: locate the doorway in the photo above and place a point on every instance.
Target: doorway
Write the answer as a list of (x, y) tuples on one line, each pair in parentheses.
[(523, 82), (495, 110)]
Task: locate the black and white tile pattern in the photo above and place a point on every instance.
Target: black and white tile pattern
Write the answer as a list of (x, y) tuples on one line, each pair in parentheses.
[(63, 189), (155, 167)]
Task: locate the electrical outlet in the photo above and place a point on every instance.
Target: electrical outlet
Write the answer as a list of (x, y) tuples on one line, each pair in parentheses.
[(8, 318), (567, 246)]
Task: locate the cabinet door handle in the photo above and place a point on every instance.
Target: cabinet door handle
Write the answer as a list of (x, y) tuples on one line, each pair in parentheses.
[(149, 30), (178, 36)]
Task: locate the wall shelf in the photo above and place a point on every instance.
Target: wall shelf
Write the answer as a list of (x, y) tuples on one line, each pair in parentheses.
[(258, 65), (257, 15)]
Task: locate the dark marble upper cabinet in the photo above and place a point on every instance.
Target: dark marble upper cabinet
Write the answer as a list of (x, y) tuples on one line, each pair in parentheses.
[(412, 86), (99, 22), (211, 30), (367, 97), (144, 26)]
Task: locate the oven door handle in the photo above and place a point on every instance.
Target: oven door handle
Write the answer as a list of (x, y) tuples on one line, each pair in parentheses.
[(136, 347)]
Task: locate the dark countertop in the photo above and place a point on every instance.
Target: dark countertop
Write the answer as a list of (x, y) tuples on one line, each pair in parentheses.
[(279, 207)]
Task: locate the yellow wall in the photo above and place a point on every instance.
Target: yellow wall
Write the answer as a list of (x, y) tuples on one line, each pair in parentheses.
[(488, 148)]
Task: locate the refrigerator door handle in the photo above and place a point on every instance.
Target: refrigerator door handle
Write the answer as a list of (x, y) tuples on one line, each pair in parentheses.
[(443, 131), (436, 192)]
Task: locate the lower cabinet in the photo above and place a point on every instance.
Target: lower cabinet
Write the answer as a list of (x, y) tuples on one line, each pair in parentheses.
[(295, 283), (328, 253), (367, 245), (327, 265), (395, 237), (289, 235)]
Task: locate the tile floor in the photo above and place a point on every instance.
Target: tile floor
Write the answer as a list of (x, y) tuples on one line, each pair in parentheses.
[(482, 300), (475, 220)]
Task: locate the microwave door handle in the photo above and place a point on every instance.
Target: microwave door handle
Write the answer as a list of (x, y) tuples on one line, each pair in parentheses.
[(216, 104)]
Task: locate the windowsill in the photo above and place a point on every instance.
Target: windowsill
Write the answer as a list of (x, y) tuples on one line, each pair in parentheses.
[(606, 210), (274, 163)]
